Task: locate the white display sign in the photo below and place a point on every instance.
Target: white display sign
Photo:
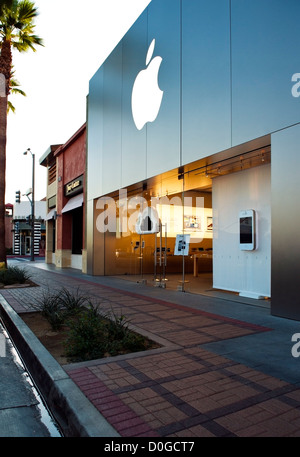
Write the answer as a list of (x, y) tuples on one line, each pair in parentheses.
[(247, 230), (182, 245)]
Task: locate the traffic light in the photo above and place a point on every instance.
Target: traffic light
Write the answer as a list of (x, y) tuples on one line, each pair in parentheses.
[(18, 196), (28, 220)]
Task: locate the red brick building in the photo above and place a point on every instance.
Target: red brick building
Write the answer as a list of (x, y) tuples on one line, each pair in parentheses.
[(65, 226)]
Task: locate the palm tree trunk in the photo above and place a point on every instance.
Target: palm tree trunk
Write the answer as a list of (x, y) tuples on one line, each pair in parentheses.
[(6, 62), (3, 124), (5, 69)]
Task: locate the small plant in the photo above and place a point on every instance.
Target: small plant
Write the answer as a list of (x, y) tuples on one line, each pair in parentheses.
[(90, 333), (71, 302), (57, 307), (86, 337), (117, 326), (135, 342), (13, 275), (50, 307)]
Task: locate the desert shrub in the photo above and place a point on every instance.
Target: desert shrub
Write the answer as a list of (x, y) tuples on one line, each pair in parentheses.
[(90, 333), (93, 335), (51, 308), (14, 275), (134, 342), (117, 326), (59, 306), (72, 302), (86, 338)]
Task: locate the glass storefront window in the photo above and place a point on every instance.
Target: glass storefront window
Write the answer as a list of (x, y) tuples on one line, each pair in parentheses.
[(181, 211)]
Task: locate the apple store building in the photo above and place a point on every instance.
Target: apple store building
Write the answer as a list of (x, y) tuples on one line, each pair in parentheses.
[(193, 152)]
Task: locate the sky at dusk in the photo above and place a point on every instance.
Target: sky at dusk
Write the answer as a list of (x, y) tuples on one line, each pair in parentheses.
[(78, 38)]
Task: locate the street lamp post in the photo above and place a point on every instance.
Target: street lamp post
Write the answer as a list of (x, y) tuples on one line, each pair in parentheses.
[(32, 203)]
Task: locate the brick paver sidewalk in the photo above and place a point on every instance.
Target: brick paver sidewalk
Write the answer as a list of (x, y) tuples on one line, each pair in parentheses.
[(180, 389)]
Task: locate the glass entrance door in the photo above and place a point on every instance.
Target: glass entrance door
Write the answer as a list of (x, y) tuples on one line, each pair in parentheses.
[(27, 245)]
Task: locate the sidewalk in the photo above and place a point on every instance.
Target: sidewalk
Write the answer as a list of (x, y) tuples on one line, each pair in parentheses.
[(225, 368)]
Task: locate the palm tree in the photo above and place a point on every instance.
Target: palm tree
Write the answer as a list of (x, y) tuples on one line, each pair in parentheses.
[(16, 32), (14, 89)]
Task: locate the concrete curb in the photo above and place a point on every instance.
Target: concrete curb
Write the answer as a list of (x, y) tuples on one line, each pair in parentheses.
[(74, 413)]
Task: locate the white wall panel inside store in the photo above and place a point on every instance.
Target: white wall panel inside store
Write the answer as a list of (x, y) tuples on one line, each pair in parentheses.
[(246, 272)]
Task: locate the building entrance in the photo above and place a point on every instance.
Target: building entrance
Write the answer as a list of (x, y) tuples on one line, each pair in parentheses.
[(27, 245), (153, 255)]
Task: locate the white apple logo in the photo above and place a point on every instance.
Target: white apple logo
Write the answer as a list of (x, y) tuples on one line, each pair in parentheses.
[(146, 95)]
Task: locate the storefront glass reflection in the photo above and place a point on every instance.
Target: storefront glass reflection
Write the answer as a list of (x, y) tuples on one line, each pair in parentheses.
[(130, 247)]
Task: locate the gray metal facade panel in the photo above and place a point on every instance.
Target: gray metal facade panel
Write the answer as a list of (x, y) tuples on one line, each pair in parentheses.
[(163, 135), (93, 161), (285, 222), (206, 91), (95, 136), (89, 236), (133, 141), (112, 122), (238, 58), (265, 42)]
